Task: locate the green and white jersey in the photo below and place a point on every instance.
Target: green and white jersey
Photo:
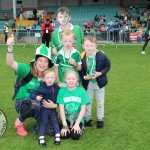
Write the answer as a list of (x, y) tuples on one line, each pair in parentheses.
[(72, 101), (63, 64), (78, 33), (24, 91)]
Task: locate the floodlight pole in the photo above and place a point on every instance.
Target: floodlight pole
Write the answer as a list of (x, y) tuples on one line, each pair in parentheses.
[(14, 9)]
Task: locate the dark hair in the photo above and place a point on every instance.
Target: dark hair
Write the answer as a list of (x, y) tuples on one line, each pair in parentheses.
[(47, 19)]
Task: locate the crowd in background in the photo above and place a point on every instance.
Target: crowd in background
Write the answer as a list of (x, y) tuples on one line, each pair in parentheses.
[(123, 24)]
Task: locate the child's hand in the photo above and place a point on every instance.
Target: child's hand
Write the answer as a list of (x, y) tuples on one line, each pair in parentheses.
[(76, 128), (87, 77), (72, 62), (96, 74), (39, 98), (10, 41), (64, 132), (54, 50)]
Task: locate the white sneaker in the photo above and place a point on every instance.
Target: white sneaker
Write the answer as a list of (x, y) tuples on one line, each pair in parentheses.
[(143, 52)]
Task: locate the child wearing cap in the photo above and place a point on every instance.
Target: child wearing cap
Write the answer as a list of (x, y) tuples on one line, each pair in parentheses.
[(72, 102), (23, 103), (48, 90), (67, 57), (63, 17)]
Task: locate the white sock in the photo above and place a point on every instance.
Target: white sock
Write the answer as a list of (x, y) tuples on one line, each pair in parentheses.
[(41, 141), (57, 137)]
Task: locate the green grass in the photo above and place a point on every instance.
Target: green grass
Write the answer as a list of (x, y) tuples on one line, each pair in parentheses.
[(127, 105)]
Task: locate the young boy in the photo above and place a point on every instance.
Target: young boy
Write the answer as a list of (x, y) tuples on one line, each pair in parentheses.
[(67, 57), (95, 65), (63, 17)]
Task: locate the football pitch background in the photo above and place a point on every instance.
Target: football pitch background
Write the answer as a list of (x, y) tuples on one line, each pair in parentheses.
[(127, 104)]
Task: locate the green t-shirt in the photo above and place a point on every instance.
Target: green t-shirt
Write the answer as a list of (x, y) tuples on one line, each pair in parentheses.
[(24, 91), (72, 101), (63, 62), (56, 37), (91, 67)]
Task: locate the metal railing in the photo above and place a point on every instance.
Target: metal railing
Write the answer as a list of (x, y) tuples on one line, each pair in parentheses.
[(116, 37)]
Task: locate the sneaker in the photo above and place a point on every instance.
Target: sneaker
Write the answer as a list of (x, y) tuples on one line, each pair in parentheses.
[(20, 128), (143, 52), (100, 124), (88, 123)]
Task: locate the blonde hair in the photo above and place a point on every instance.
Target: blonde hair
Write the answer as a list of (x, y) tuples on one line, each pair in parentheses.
[(91, 38), (67, 33), (69, 71), (48, 71), (34, 70), (63, 10)]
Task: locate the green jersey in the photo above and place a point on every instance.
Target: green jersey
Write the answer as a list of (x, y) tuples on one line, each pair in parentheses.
[(63, 64), (72, 101), (78, 33), (24, 91)]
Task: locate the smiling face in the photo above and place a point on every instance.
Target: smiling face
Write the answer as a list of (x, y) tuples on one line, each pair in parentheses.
[(71, 80), (42, 64), (49, 78), (67, 41), (89, 47), (63, 18)]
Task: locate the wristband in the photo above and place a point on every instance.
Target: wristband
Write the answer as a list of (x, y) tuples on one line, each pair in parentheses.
[(65, 127), (60, 85), (10, 49), (64, 123)]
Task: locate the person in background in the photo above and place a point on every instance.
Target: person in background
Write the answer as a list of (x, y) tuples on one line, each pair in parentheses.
[(6, 31), (34, 25), (47, 30), (139, 35), (21, 10), (147, 37), (35, 14), (116, 31), (110, 28), (40, 21)]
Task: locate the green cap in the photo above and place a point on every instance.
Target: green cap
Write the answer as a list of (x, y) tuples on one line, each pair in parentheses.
[(43, 50)]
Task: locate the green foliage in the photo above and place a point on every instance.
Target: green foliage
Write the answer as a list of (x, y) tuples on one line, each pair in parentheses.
[(126, 105)]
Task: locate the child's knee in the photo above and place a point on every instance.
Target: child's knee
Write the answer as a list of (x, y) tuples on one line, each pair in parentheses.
[(75, 136)]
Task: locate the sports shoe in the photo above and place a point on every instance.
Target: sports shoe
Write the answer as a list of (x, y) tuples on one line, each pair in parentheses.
[(20, 128), (143, 52), (100, 124), (88, 124)]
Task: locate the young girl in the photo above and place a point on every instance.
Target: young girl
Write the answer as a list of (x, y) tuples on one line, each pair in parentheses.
[(67, 57), (95, 65), (48, 90), (72, 102)]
